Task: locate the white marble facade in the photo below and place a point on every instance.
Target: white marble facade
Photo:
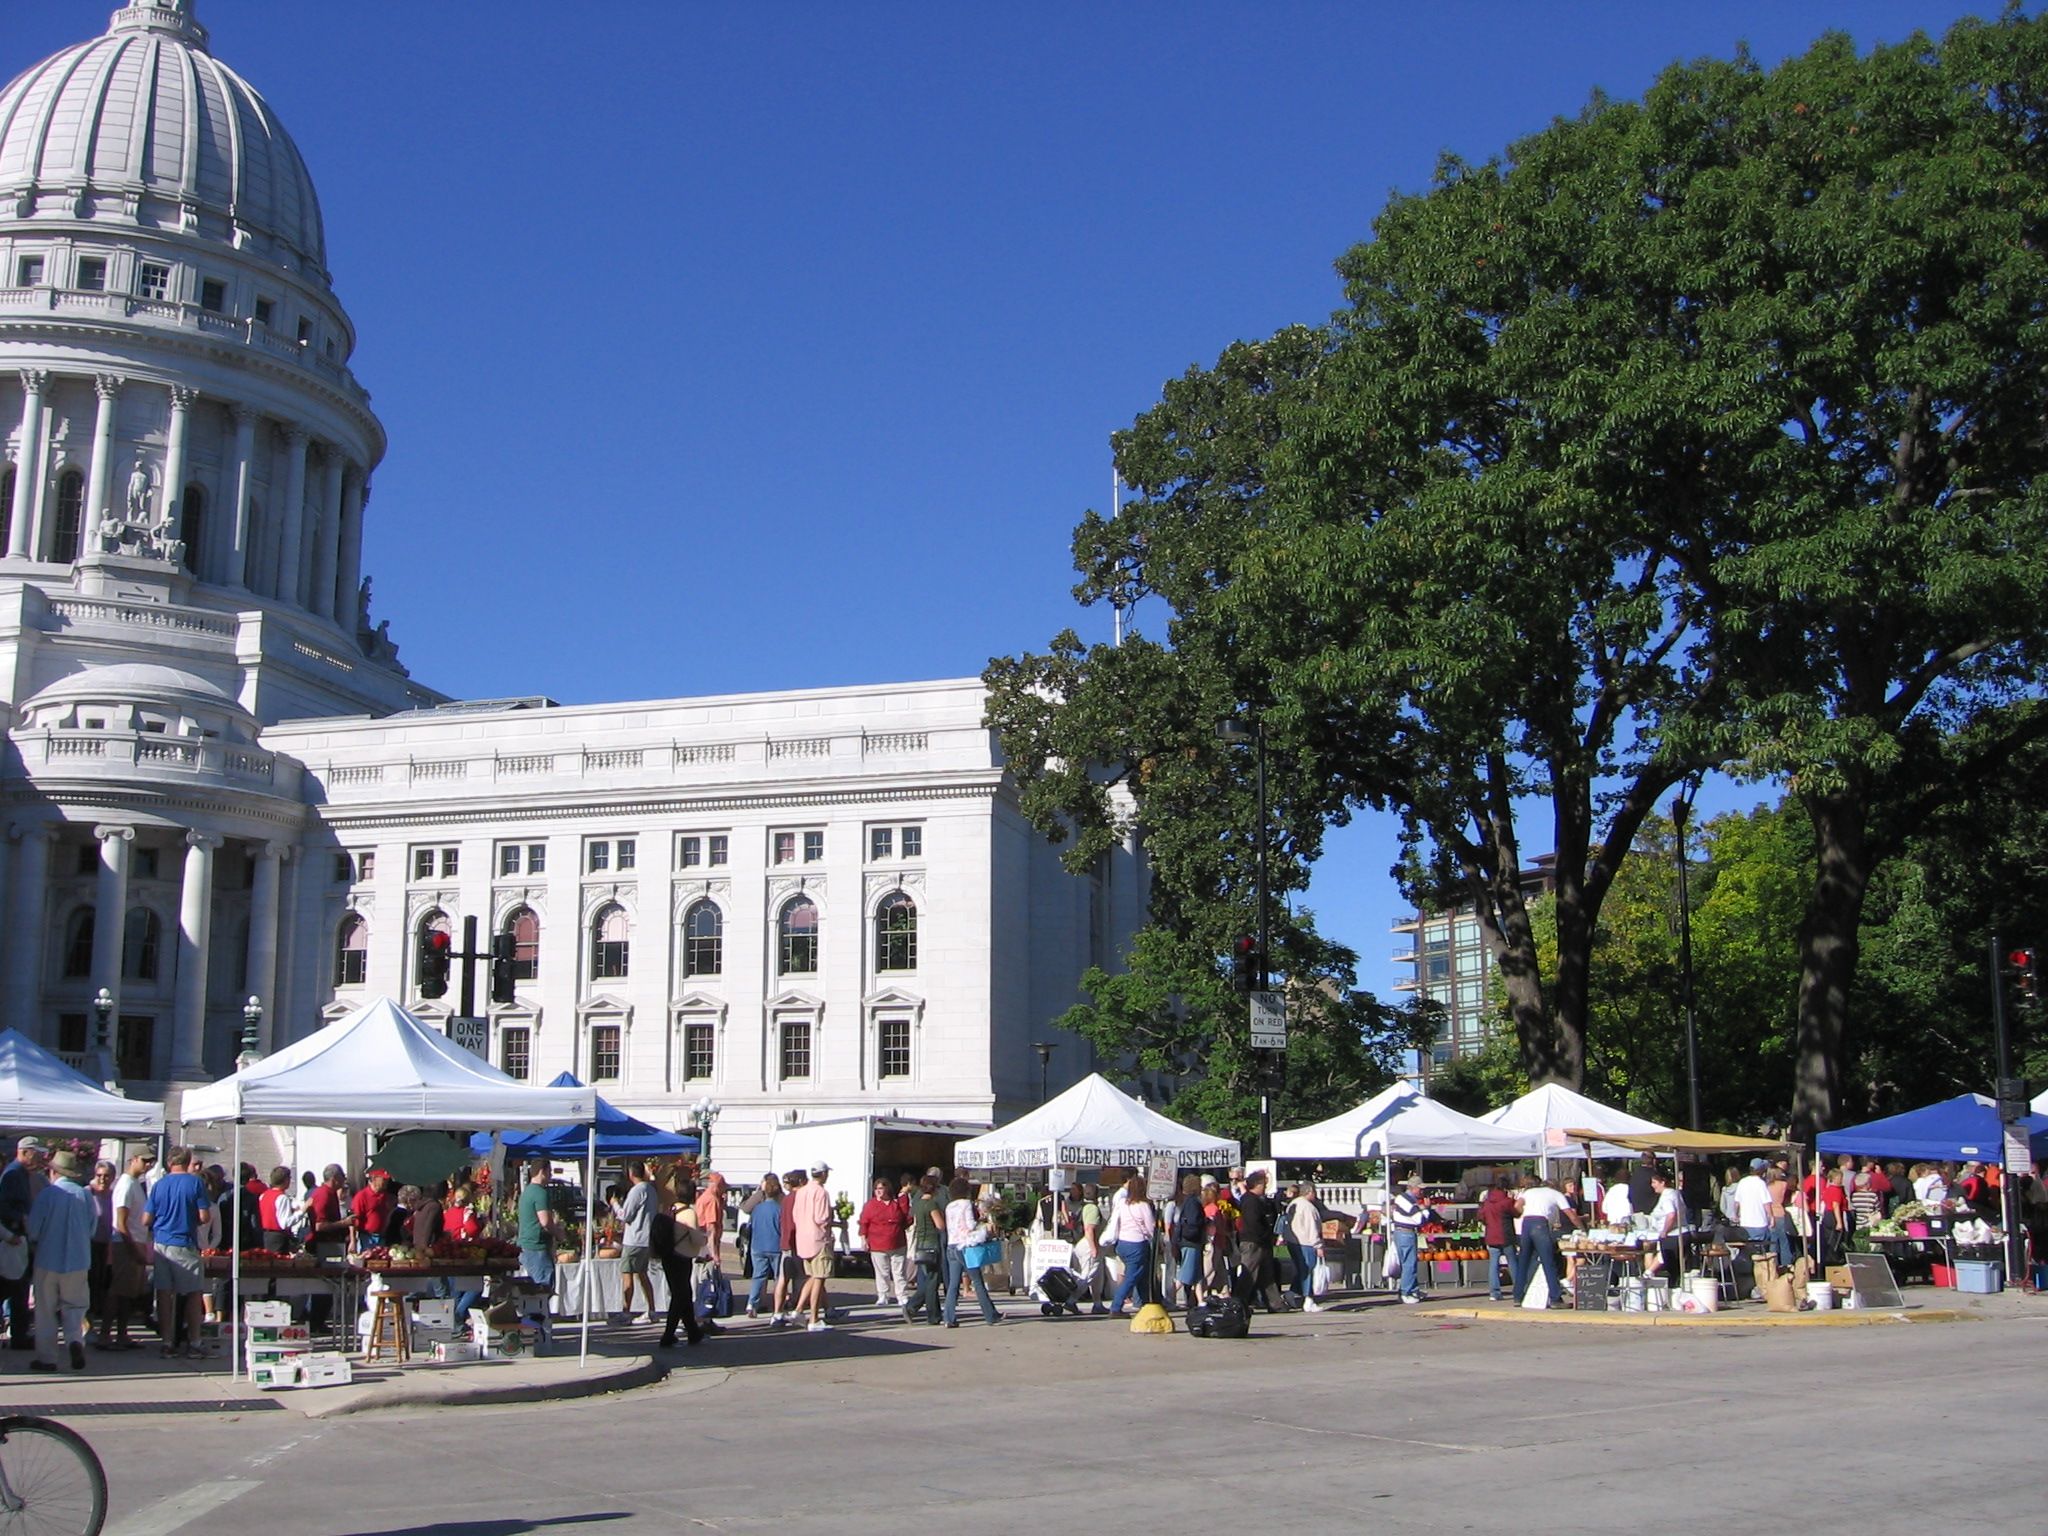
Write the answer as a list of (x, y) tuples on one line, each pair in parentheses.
[(804, 904)]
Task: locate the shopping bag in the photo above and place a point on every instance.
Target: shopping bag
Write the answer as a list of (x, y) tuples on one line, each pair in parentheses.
[(1537, 1297), (1319, 1281)]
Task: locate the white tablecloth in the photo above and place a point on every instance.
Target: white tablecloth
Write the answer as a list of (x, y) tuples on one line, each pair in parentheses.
[(608, 1296)]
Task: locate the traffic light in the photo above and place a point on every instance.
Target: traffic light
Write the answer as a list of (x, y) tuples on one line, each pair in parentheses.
[(435, 947), (1244, 964), (502, 945), (2022, 970)]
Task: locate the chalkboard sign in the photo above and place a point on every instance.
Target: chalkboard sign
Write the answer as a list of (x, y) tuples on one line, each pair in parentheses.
[(1871, 1279), (1591, 1282)]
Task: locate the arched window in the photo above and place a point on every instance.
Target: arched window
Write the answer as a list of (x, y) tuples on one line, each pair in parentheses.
[(78, 942), (796, 938), (6, 506), (352, 952), (896, 934), (68, 534), (191, 522), (524, 926), (140, 941), (703, 940), (609, 944)]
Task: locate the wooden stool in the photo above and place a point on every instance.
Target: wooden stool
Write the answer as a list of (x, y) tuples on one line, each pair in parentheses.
[(390, 1330)]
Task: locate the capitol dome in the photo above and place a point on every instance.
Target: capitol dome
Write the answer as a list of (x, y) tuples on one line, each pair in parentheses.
[(144, 126)]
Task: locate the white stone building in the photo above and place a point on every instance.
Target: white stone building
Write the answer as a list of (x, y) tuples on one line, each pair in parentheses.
[(803, 904)]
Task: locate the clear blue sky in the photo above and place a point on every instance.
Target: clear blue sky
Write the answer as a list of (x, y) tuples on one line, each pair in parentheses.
[(755, 346)]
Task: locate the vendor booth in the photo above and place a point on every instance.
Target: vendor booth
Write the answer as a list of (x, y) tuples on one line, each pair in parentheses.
[(38, 1092), (620, 1137), (1552, 1111), (1093, 1124), (380, 1066)]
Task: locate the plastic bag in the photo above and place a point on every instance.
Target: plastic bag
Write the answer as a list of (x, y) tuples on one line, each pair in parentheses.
[(1319, 1281)]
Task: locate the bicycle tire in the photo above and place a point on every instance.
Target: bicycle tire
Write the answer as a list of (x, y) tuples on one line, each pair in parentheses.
[(51, 1483)]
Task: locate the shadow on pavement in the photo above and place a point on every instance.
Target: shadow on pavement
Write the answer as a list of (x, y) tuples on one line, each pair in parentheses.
[(507, 1527)]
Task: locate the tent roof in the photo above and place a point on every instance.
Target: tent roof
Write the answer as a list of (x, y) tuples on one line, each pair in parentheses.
[(381, 1066), (38, 1092), (1400, 1122), (1682, 1141), (1550, 1109), (1096, 1124), (1965, 1126), (618, 1135)]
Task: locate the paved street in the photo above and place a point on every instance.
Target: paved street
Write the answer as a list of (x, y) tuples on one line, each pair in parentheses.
[(1371, 1417)]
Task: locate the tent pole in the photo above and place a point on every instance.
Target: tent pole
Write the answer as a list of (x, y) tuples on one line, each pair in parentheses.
[(234, 1271), (589, 1223)]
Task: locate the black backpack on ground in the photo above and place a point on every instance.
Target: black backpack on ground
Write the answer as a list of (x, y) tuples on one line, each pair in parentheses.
[(1224, 1317)]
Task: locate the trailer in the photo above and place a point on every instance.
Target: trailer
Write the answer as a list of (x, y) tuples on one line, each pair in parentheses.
[(860, 1147)]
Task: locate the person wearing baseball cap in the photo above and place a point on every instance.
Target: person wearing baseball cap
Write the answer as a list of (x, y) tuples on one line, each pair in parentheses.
[(372, 1210), (60, 1227), (1408, 1213), (20, 1182)]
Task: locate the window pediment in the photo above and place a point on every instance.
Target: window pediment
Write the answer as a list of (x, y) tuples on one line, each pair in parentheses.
[(605, 1005)]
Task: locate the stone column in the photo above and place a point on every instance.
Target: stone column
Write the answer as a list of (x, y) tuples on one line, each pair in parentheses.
[(27, 916), (355, 495), (172, 504), (195, 929), (108, 387), (245, 489), (291, 518), (263, 934), (110, 910), (327, 553), (21, 531)]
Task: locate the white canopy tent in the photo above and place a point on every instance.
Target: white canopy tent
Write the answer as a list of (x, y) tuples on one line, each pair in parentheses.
[(382, 1066), (1093, 1124), (1399, 1122), (1553, 1110), (38, 1092)]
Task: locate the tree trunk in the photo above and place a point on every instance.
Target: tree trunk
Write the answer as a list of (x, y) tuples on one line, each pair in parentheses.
[(1828, 944), (1570, 990)]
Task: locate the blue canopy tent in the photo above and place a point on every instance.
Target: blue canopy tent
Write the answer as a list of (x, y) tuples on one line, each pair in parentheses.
[(619, 1135), (1964, 1128)]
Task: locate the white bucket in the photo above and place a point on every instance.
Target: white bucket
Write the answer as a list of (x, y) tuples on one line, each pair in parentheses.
[(1707, 1292), (1631, 1295), (1821, 1294)]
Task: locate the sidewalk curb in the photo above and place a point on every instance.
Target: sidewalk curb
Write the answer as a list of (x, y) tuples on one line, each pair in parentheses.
[(1703, 1319), (408, 1393)]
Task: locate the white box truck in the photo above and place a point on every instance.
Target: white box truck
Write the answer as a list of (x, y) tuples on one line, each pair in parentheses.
[(861, 1146)]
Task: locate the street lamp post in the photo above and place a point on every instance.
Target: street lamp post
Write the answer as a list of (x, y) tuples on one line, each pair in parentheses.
[(1681, 812), (252, 1034), (103, 1044), (704, 1111), (1045, 1048), (1238, 730)]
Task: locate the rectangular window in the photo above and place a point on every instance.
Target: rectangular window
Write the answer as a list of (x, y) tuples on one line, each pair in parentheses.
[(913, 842), (450, 862), (604, 1053), (796, 1049), (536, 858), (716, 848), (266, 310), (690, 852), (814, 847), (894, 1055), (135, 1046), (366, 865), (628, 853), (881, 843), (145, 862), (213, 295), (71, 1034), (600, 857), (92, 273), (344, 869), (305, 331), (88, 859), (785, 847), (509, 855), (352, 967), (515, 1043), (423, 863), (153, 280), (698, 1046), (28, 272)]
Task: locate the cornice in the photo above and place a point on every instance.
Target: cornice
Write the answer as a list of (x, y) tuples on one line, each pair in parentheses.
[(170, 808), (615, 806)]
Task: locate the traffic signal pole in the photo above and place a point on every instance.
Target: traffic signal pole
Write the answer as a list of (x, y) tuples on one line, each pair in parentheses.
[(1264, 976), (469, 958), (2008, 1182)]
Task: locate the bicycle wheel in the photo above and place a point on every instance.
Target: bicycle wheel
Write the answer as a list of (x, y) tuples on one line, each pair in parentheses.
[(51, 1483)]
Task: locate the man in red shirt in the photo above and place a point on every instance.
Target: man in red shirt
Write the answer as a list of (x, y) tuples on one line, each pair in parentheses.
[(328, 1201), (371, 1211)]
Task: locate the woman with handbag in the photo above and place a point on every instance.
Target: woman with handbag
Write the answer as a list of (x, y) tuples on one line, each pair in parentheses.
[(1132, 1226), (675, 1240), (968, 1244), (1302, 1226)]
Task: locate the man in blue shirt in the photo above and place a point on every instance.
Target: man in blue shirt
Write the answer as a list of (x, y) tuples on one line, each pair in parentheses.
[(60, 1224), (20, 1181), (176, 1207)]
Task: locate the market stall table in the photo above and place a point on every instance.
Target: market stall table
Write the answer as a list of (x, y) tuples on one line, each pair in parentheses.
[(608, 1296), (270, 1277)]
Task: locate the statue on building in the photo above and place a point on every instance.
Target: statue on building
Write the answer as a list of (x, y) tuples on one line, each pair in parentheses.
[(141, 485), (375, 643), (140, 532)]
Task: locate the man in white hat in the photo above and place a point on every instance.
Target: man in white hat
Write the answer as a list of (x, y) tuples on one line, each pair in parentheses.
[(20, 1182), (1408, 1213), (60, 1225)]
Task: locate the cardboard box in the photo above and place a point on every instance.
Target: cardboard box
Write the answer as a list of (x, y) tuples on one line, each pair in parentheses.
[(275, 1375), (267, 1314), (296, 1334), (434, 1312), (456, 1352)]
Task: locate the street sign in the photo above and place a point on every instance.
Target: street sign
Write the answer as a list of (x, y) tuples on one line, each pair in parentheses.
[(2019, 1156), (1269, 1021), (471, 1033), (1161, 1178)]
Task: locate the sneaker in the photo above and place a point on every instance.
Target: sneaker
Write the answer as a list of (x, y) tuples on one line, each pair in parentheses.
[(1311, 1305), (818, 1328), (752, 1312), (1411, 1301)]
